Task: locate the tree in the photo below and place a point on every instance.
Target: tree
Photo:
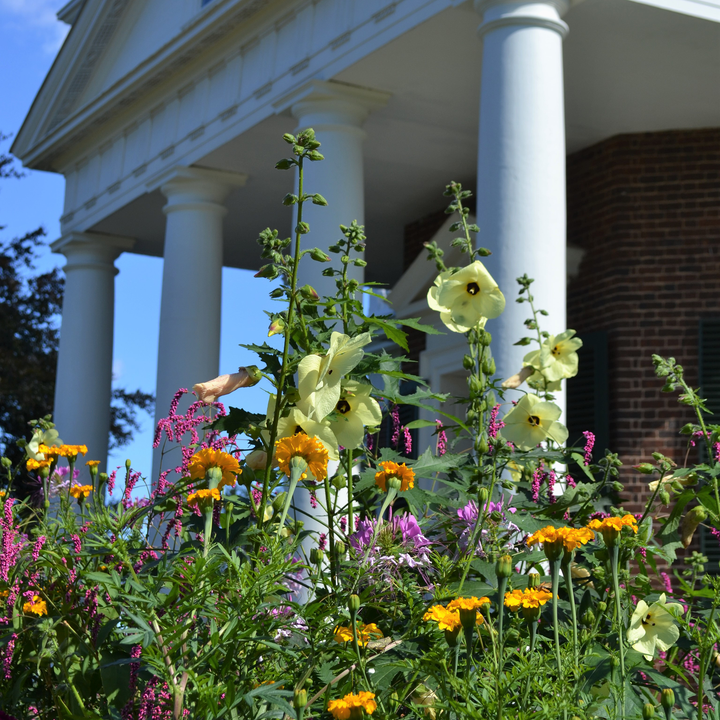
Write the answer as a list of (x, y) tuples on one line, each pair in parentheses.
[(30, 306)]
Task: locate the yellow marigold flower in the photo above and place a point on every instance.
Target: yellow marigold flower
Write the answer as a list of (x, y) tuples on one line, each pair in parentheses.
[(310, 449), (614, 523), (37, 464), (3, 493), (92, 463), (529, 598), (352, 705), (81, 491), (208, 458), (203, 497), (365, 633), (571, 538), (67, 451), (37, 605), (471, 603), (392, 469), (611, 527), (446, 619)]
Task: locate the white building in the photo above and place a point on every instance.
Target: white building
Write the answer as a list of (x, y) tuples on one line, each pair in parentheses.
[(165, 118)]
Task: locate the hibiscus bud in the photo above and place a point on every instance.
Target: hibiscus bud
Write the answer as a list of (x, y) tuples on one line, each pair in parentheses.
[(690, 523), (485, 338), (533, 580), (256, 460), (516, 380), (667, 699), (481, 445), (339, 482), (319, 255), (645, 468), (354, 603), (300, 699), (664, 497), (277, 327), (224, 384), (488, 366), (503, 567), (309, 293), (468, 362), (648, 711)]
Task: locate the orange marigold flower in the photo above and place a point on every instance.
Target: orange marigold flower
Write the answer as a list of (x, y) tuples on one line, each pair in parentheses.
[(615, 523), (203, 497), (571, 538), (392, 469), (310, 449), (343, 709), (81, 491), (365, 633), (37, 464), (208, 458), (92, 463), (37, 605), (446, 619), (529, 598), (471, 603)]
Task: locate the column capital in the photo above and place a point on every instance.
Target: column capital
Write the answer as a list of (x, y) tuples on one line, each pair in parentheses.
[(523, 13), (320, 104), (185, 186), (91, 250)]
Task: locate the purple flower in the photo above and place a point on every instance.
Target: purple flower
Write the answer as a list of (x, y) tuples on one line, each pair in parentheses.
[(361, 538), (469, 514)]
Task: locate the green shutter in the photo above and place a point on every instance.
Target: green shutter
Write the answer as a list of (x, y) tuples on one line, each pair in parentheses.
[(587, 394)]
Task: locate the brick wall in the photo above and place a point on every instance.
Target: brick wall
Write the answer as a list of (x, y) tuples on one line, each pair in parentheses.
[(645, 208)]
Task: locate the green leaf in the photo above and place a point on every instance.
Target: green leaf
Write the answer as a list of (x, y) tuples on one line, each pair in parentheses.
[(415, 324), (415, 424), (392, 333), (237, 421)]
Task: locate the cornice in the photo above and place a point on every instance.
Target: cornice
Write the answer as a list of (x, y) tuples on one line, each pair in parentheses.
[(211, 24)]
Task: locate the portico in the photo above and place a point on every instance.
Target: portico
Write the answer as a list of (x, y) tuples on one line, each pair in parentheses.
[(168, 146)]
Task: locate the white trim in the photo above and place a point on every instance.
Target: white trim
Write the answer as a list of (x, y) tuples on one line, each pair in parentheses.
[(705, 9)]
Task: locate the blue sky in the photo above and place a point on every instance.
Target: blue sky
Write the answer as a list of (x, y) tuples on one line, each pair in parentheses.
[(32, 36)]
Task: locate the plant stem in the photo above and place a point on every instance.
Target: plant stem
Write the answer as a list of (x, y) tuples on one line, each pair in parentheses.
[(614, 551), (350, 526), (554, 570), (532, 625), (567, 574), (286, 349), (331, 530)]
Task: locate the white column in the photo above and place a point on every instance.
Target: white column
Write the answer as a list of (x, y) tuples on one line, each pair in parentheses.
[(189, 343), (336, 112), (521, 164), (83, 385)]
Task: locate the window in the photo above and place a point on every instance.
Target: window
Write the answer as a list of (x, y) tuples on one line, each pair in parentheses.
[(587, 394)]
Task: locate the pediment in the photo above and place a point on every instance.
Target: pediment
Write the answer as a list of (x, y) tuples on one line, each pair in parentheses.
[(108, 40), (408, 295)]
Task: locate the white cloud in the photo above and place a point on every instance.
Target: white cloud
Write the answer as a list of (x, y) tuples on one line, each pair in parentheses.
[(38, 15)]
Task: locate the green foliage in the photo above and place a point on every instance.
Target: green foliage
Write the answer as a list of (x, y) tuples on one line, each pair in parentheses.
[(244, 588)]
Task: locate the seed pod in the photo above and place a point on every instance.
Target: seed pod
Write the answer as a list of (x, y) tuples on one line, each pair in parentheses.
[(690, 523)]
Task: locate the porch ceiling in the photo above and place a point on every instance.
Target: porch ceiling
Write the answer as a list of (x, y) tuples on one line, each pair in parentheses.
[(628, 68)]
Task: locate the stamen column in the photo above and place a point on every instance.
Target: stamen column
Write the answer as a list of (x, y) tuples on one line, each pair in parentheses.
[(83, 386), (521, 163)]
